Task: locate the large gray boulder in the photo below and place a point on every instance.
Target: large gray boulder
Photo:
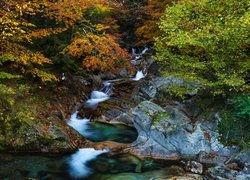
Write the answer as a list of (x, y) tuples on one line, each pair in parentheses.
[(157, 87), (166, 133)]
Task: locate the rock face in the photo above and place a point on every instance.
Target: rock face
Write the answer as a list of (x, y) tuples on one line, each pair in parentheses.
[(223, 172), (156, 87), (167, 133)]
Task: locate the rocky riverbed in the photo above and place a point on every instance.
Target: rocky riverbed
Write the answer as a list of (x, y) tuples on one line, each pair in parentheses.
[(169, 129)]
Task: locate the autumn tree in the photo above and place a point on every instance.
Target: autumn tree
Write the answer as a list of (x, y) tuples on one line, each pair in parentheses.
[(14, 31), (91, 26), (207, 42), (148, 20)]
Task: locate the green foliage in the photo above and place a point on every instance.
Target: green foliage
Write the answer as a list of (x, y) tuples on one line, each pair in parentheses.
[(235, 123), (208, 42)]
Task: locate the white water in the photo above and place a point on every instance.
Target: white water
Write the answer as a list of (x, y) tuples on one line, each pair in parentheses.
[(144, 51), (99, 96), (78, 160), (139, 75), (81, 125)]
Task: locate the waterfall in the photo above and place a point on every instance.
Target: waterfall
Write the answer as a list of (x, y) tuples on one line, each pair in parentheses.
[(139, 75), (78, 160), (81, 125), (99, 96)]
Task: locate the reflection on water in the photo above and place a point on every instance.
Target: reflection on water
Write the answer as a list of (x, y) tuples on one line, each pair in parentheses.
[(103, 167)]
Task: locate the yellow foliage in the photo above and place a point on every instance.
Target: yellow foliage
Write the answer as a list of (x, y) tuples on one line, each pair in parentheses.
[(71, 11), (98, 52)]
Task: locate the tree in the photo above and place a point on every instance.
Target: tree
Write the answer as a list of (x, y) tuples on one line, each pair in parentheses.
[(207, 42), (148, 28), (90, 23), (14, 30)]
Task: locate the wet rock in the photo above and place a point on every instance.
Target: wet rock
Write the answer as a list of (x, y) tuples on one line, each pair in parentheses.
[(173, 172), (194, 167), (96, 81)]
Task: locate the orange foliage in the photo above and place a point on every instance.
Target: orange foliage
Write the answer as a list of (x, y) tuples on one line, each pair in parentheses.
[(15, 28), (71, 11), (148, 28), (99, 52), (90, 27)]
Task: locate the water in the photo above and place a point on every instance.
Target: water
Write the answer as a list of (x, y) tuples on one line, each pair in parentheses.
[(97, 132), (139, 75), (78, 161), (99, 96), (86, 164)]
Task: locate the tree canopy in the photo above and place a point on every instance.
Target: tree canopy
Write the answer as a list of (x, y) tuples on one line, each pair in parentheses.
[(207, 42)]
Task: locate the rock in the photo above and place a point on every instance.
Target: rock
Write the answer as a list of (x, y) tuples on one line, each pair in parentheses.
[(113, 113), (123, 119), (156, 88), (220, 172), (107, 76), (81, 79), (194, 167), (243, 177), (165, 135), (173, 173), (244, 157), (123, 72), (96, 81), (212, 158)]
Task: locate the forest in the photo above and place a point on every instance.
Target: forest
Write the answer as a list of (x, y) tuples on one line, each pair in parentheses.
[(152, 81)]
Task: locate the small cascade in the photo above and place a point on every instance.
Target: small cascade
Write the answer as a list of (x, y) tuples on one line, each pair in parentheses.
[(144, 51), (99, 96), (78, 160), (139, 75), (81, 125)]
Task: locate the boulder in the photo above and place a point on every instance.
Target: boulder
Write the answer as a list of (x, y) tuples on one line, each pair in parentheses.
[(166, 133), (107, 76), (156, 87)]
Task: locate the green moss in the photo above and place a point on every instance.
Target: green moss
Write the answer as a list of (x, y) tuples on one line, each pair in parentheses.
[(161, 116)]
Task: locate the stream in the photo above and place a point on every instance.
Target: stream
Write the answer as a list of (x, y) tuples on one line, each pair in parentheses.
[(88, 163)]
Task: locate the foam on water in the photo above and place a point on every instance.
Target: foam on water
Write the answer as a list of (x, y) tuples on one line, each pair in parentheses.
[(81, 125), (77, 162), (139, 75), (95, 98)]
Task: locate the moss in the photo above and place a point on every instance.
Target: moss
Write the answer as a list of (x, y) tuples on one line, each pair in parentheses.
[(161, 116)]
